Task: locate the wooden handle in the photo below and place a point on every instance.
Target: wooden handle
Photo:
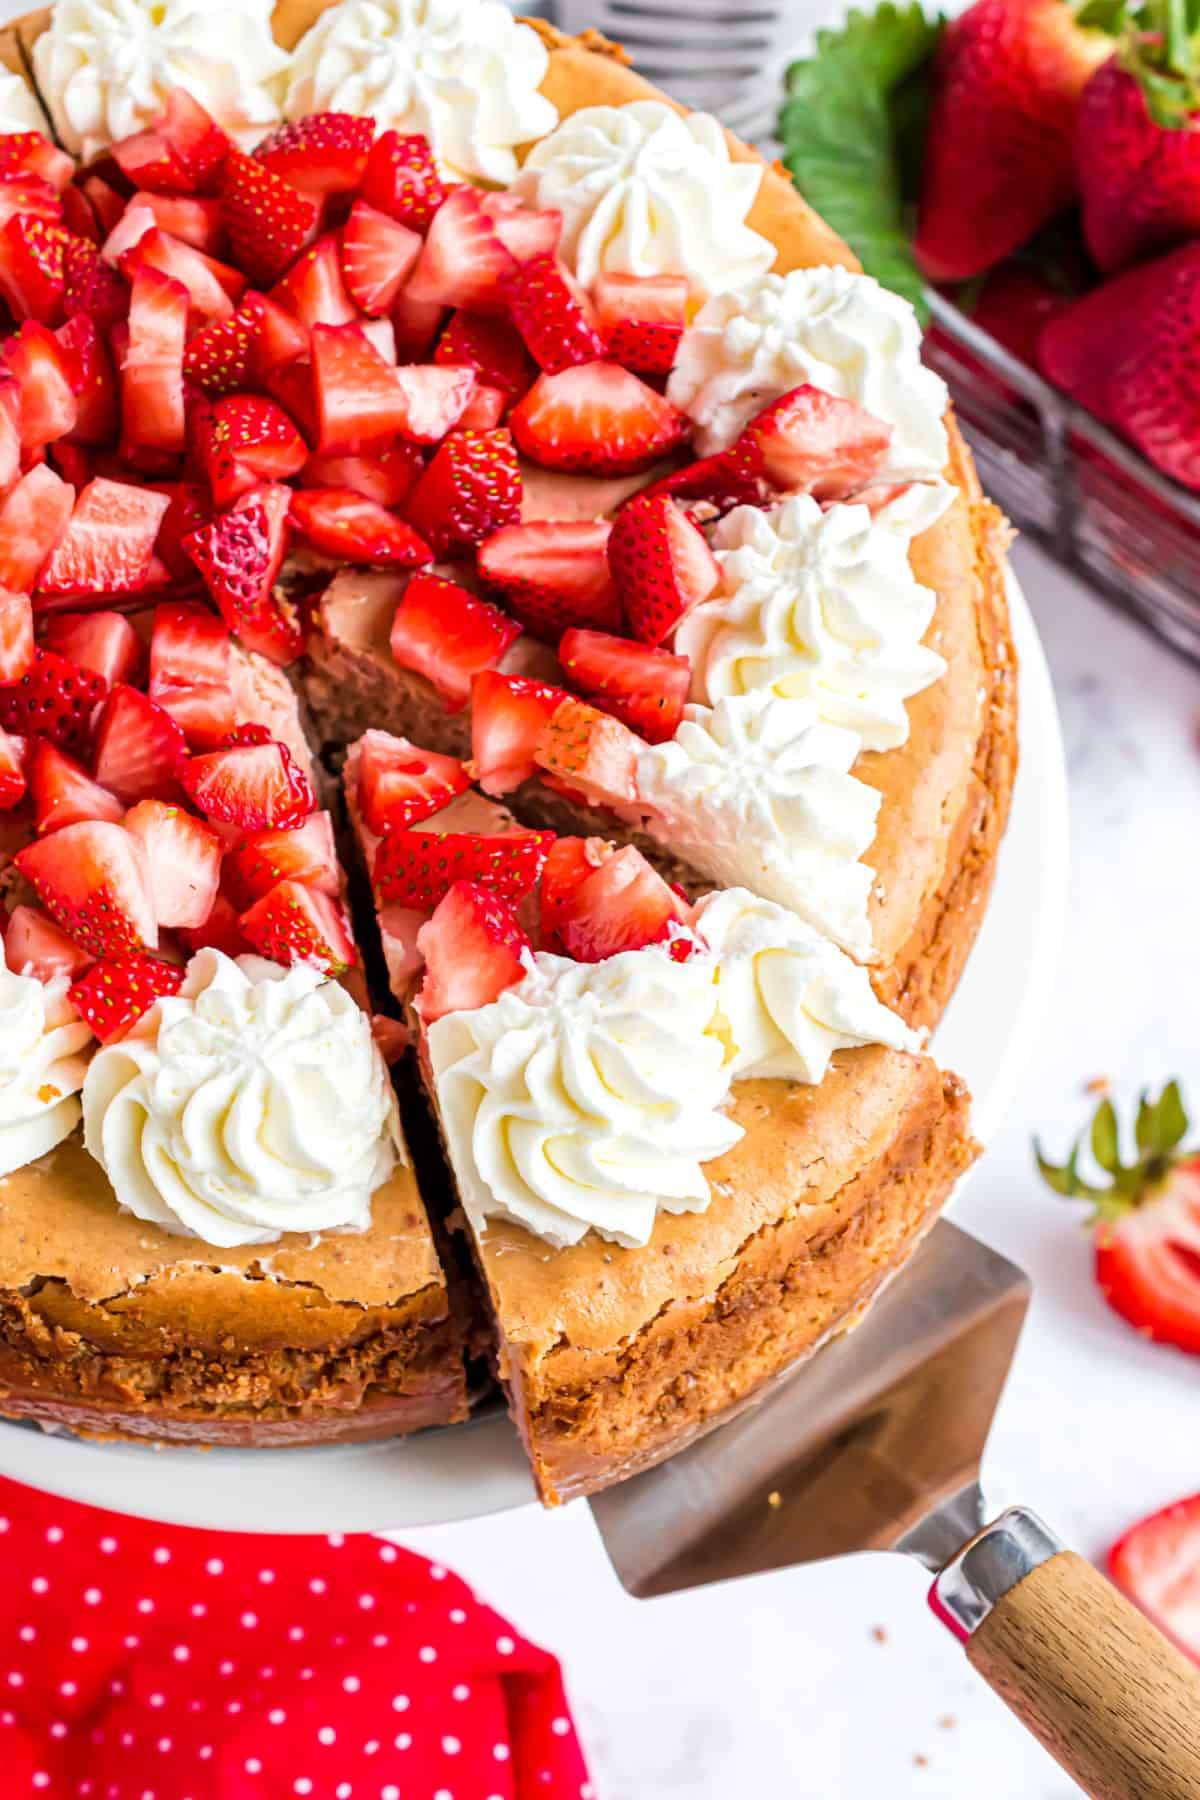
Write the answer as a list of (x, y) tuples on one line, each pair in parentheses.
[(1108, 1696)]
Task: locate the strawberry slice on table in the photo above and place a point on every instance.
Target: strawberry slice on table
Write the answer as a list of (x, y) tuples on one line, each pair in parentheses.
[(449, 635), (554, 574), (104, 642), (152, 407), (417, 868), (325, 153), (596, 418), (140, 750), (508, 716), (345, 525), (646, 688), (624, 904), (553, 314), (117, 992), (190, 662), (400, 784), (304, 853), (109, 541), (183, 151), (570, 862), (245, 439), (387, 477), (1157, 1563), (40, 366), (256, 786), (269, 221), (33, 518), (661, 564), (378, 255), (401, 179), (184, 859), (56, 699), (359, 397), (642, 318), (240, 554), (297, 923), (314, 288), (462, 261), (220, 358), (16, 636), (474, 948), (32, 269), (35, 945), (13, 781), (92, 879), (525, 231), (591, 752), (32, 153), (470, 489), (63, 793), (491, 347), (93, 377)]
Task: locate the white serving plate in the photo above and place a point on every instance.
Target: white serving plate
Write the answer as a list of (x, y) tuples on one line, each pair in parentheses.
[(470, 1470)]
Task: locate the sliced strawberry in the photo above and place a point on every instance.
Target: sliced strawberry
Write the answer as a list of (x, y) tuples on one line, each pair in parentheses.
[(470, 489), (662, 565), (269, 220), (32, 520), (117, 992), (245, 439), (92, 287), (597, 418), (30, 153), (325, 153), (523, 230), (184, 858), (387, 477), (345, 525), (378, 255), (554, 574), (304, 853), (12, 773), (10, 431), (78, 215), (189, 507), (106, 202), (291, 384), (474, 948), (1157, 1563), (104, 642), (135, 223), (220, 358), (29, 197), (399, 785), (213, 287), (152, 406), (508, 716), (449, 636), (435, 399), (280, 338), (255, 786), (641, 317), (485, 409), (16, 636), (590, 751), (462, 262), (55, 700), (569, 864), (71, 462), (401, 180), (645, 688), (491, 347), (63, 793), (92, 879), (623, 905), (240, 555), (37, 362), (183, 151), (222, 930), (719, 481), (811, 442), (360, 401), (416, 324), (553, 314), (190, 659), (32, 276), (200, 223), (35, 945), (296, 923), (140, 750), (314, 288), (417, 868), (93, 379), (109, 541)]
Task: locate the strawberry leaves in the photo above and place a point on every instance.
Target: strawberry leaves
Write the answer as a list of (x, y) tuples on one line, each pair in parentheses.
[(1159, 1129)]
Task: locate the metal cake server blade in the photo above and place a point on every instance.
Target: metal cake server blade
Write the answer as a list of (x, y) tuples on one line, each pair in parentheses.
[(875, 1443)]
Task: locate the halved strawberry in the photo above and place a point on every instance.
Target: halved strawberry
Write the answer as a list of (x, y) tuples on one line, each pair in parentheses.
[(525, 231), (269, 220), (104, 642), (184, 858), (811, 442), (12, 772), (470, 489), (591, 751), (55, 700), (462, 262), (416, 324), (645, 688), (508, 715), (597, 418), (386, 477), (661, 563), (33, 518), (220, 358), (569, 864), (491, 347), (31, 153), (623, 905), (314, 288), (63, 793), (279, 338), (240, 555), (304, 853), (190, 659), (222, 930), (16, 636), (152, 406), (116, 992), (35, 945), (37, 362), (1157, 1563), (553, 314), (345, 525), (378, 255), (642, 317), (109, 541), (485, 409), (32, 277), (200, 223), (554, 574), (213, 287), (448, 635), (92, 287), (92, 879), (324, 153), (399, 784), (360, 401), (140, 750), (474, 948), (296, 923), (256, 786), (245, 439), (417, 868), (183, 151), (401, 179), (93, 378)]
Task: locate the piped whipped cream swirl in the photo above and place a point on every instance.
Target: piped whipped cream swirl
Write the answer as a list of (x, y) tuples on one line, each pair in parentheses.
[(44, 1048), (104, 66), (252, 1103), (644, 191), (840, 332), (19, 110), (462, 72)]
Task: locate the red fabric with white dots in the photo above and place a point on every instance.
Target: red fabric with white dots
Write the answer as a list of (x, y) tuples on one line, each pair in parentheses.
[(145, 1662)]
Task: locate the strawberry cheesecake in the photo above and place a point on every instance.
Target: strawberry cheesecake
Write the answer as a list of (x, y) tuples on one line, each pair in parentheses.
[(487, 585)]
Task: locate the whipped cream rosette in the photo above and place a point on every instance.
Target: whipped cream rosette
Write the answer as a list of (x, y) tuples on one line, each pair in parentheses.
[(44, 1049)]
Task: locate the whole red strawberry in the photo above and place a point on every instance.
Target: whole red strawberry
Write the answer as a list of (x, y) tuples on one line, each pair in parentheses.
[(998, 153)]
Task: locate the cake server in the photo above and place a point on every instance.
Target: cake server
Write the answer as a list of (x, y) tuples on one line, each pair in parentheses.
[(875, 1444)]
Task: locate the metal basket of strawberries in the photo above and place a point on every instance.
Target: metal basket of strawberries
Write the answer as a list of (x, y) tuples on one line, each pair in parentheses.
[(1028, 173)]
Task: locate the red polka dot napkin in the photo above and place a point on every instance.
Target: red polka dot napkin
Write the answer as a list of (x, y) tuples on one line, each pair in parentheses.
[(145, 1662)]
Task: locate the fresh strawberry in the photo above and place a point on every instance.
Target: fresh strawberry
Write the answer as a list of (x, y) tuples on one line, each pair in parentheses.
[(485, 409), (474, 948), (378, 254), (279, 338), (591, 752), (32, 277), (304, 853), (269, 220), (345, 525), (508, 716), (386, 477), (598, 419), (470, 489), (417, 868), (402, 181), (140, 750), (314, 288), (569, 864), (256, 786), (188, 507), (646, 688), (29, 197), (554, 574), (16, 636), (524, 231), (641, 318), (998, 159), (92, 287), (79, 216), (245, 439), (93, 378), (200, 223), (190, 661), (811, 442), (39, 365), (220, 358), (291, 384), (661, 564), (553, 314), (104, 642), (63, 793), (30, 153), (55, 700), (152, 406), (70, 461), (35, 945), (213, 287), (222, 930), (623, 905), (182, 152), (296, 923), (491, 347), (117, 992), (325, 153), (1157, 1563), (92, 879), (416, 324), (109, 541), (1013, 303), (184, 858), (359, 397), (10, 431), (399, 785), (462, 262), (448, 635), (13, 782), (33, 518), (240, 555), (435, 399)]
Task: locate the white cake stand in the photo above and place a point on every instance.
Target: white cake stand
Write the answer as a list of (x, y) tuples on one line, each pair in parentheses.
[(469, 1470)]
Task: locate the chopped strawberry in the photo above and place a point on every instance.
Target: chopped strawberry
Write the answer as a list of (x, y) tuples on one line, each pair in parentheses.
[(553, 314), (644, 687), (662, 565), (314, 289), (554, 574), (12, 773), (32, 277), (597, 418), (256, 786), (245, 439), (135, 223), (33, 518), (109, 541), (435, 399), (448, 635), (71, 462), (381, 333), (360, 400), (55, 700), (1157, 1563), (462, 262), (200, 223), (345, 525), (399, 785), (29, 197), (417, 868), (240, 555), (269, 220), (296, 923), (304, 853), (104, 642), (37, 362), (222, 930), (213, 287), (569, 864), (291, 384), (140, 750), (31, 153), (92, 879), (190, 661), (386, 477), (16, 636), (63, 793), (491, 347), (183, 151), (152, 369), (189, 506), (401, 180), (642, 317), (811, 442), (508, 715), (93, 378), (10, 431), (523, 230), (92, 287), (378, 254), (474, 948), (106, 202), (623, 905), (184, 858), (416, 324), (35, 945), (470, 489), (279, 339), (590, 751), (220, 358), (117, 992), (325, 153), (78, 215), (485, 409)]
